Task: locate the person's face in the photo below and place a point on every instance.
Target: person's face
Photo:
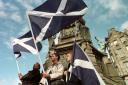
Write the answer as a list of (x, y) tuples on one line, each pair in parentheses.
[(36, 66), (53, 57), (69, 56)]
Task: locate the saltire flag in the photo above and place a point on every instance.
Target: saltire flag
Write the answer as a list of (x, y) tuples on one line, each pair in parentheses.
[(25, 43), (54, 15), (48, 19), (83, 68)]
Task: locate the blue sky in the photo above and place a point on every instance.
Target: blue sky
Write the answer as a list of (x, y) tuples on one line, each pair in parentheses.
[(101, 16)]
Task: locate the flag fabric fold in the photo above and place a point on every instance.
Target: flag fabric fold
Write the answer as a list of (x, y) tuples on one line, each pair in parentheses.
[(83, 68), (53, 16), (46, 20), (25, 43)]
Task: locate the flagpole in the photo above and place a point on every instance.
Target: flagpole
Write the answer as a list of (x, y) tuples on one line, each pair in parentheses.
[(18, 68), (34, 42), (38, 55), (17, 64), (75, 35)]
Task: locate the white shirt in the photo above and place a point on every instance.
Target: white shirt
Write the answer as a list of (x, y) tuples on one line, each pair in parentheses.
[(56, 71)]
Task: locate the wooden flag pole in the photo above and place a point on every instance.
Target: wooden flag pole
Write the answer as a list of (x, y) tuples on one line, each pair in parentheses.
[(18, 68), (38, 55), (34, 42), (16, 57)]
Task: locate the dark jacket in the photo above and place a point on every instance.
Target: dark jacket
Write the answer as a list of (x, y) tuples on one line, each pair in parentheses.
[(31, 78), (73, 80)]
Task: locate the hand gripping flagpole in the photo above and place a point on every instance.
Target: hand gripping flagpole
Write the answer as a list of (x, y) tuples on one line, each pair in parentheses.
[(38, 55)]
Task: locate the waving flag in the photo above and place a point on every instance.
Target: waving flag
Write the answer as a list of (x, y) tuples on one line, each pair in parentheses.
[(83, 68), (48, 19), (25, 43), (52, 16)]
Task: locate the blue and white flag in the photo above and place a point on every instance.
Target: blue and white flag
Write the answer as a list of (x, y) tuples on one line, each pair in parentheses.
[(25, 43), (83, 68), (54, 15), (48, 19)]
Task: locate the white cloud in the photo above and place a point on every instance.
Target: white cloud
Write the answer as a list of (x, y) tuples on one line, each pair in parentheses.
[(15, 81), (112, 5), (3, 34), (16, 17), (2, 82), (25, 4), (12, 16), (12, 10), (4, 6), (1, 4), (3, 14), (38, 1), (9, 81), (9, 42), (33, 1), (28, 3), (114, 8), (12, 6), (124, 25), (24, 30)]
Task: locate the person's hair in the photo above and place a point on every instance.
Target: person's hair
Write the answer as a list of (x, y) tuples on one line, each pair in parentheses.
[(56, 53), (37, 64), (57, 56)]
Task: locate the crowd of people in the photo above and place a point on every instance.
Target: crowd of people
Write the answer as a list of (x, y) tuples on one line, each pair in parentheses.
[(55, 74)]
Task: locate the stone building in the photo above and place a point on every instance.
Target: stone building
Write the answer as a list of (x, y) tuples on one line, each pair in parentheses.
[(117, 44), (81, 34)]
